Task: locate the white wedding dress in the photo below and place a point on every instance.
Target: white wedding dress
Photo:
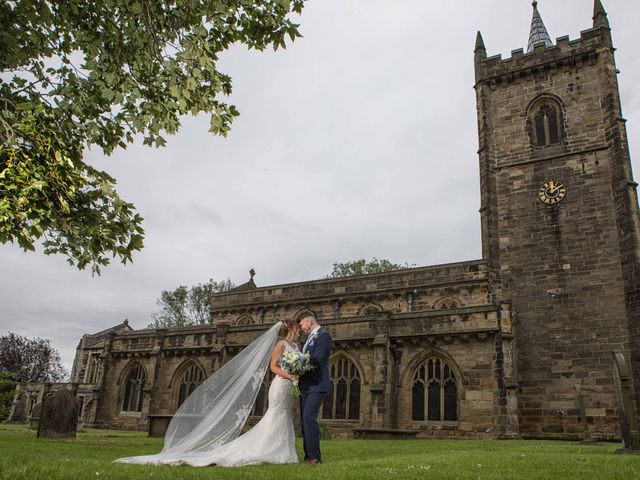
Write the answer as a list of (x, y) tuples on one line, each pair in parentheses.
[(271, 440)]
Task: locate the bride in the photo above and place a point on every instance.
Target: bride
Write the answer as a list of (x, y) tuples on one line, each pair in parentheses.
[(204, 431)]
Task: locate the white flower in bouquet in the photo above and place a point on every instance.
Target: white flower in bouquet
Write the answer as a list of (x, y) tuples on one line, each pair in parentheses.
[(296, 363)]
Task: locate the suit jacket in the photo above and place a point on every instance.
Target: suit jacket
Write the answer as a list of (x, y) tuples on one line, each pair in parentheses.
[(319, 350)]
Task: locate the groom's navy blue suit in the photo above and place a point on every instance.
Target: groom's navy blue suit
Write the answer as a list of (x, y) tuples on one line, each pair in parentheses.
[(313, 387)]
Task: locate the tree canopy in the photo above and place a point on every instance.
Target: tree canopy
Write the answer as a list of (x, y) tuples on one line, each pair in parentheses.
[(30, 360), (363, 266), (77, 73), (184, 306), (7, 392)]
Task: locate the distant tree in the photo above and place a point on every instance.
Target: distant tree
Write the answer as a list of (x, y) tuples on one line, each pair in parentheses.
[(173, 309), (31, 360), (199, 299), (7, 392), (78, 73), (363, 266), (184, 306)]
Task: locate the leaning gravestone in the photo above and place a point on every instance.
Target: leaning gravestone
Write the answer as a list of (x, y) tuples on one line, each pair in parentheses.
[(628, 424), (35, 415), (59, 416), (19, 410)]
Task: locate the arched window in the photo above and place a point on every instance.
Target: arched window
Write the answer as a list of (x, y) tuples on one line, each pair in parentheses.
[(244, 320), (434, 392), (371, 309), (446, 304), (545, 124), (189, 381), (343, 401), (94, 369), (133, 392)]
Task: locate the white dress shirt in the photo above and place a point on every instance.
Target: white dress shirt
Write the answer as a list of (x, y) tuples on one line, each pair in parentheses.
[(312, 335)]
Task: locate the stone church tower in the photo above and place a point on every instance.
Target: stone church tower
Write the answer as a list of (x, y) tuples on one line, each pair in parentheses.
[(560, 219)]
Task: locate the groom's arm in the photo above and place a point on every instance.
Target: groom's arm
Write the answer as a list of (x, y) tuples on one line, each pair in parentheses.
[(322, 350)]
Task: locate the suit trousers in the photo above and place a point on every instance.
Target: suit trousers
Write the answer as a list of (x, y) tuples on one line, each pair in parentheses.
[(310, 403)]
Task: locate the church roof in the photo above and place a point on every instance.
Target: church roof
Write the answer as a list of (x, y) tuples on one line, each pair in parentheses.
[(538, 32), (250, 285), (96, 338)]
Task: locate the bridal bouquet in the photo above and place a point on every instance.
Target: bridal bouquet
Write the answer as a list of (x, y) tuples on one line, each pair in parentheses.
[(296, 363)]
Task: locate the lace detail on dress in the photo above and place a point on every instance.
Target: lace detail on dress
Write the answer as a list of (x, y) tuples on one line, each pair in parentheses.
[(258, 377), (241, 415)]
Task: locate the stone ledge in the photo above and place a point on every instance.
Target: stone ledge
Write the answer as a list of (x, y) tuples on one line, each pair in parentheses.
[(383, 434)]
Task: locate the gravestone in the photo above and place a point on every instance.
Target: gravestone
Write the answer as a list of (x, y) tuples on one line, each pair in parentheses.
[(35, 415), (59, 416), (19, 409), (626, 413)]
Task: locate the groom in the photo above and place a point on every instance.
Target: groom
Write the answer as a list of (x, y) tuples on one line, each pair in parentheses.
[(314, 385)]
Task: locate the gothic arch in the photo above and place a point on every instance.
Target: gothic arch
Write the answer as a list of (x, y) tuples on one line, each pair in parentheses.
[(127, 368), (244, 320), (545, 121), (186, 378), (542, 98), (446, 303), (344, 401), (352, 359), (371, 309), (132, 381), (433, 382), (424, 355)]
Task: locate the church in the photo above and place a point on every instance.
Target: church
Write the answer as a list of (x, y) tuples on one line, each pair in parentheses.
[(488, 348)]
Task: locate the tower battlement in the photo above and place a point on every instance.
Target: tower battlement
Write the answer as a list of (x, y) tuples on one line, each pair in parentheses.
[(565, 52)]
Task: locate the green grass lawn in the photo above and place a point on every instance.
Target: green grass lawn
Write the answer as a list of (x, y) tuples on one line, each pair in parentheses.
[(90, 455)]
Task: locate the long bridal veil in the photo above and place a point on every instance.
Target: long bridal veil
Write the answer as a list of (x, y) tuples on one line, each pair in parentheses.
[(216, 411)]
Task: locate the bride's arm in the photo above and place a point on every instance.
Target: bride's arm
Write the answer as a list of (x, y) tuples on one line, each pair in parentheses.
[(275, 368)]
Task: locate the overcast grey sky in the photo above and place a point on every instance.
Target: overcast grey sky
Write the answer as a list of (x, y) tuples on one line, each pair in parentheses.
[(358, 140)]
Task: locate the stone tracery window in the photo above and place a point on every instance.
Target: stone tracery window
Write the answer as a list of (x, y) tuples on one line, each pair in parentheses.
[(134, 385), (343, 401), (434, 392), (545, 122), (189, 381), (94, 368)]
